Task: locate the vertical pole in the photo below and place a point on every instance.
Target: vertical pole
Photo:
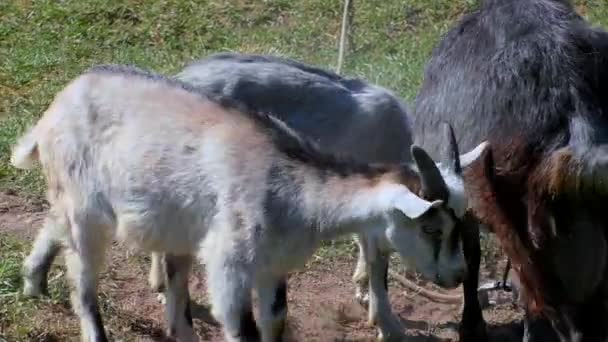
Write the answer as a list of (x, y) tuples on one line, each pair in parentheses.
[(344, 30)]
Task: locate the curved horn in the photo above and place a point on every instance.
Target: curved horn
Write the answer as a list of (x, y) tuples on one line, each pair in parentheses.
[(471, 156), (432, 183), (450, 154)]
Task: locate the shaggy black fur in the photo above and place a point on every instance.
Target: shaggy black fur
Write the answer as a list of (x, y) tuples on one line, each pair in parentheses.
[(528, 75)]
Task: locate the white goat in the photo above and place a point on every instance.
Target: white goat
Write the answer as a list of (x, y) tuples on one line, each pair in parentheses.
[(134, 156), (344, 115)]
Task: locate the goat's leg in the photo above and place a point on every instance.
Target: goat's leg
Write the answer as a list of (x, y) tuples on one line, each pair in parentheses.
[(179, 317), (157, 275), (229, 284), (380, 312), (505, 275), (273, 308), (84, 258), (46, 247), (472, 326), (361, 275)]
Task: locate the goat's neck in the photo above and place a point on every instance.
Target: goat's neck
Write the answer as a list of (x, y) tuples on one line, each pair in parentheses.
[(355, 203)]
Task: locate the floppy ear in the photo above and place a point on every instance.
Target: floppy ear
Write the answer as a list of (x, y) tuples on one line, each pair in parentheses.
[(432, 182), (413, 206)]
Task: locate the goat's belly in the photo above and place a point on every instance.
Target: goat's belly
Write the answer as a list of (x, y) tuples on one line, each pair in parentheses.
[(284, 257), (147, 231)]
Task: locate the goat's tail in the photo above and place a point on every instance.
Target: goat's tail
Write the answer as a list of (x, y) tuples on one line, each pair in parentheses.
[(25, 152)]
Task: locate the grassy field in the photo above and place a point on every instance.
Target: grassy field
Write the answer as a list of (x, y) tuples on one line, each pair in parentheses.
[(45, 43)]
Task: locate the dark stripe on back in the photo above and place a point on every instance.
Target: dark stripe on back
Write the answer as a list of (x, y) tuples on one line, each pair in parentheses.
[(257, 58)]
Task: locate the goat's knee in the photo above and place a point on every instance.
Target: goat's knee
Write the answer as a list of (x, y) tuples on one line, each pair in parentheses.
[(156, 278), (46, 247), (361, 274), (179, 317)]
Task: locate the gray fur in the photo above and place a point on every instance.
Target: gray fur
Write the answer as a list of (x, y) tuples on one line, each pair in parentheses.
[(337, 112)]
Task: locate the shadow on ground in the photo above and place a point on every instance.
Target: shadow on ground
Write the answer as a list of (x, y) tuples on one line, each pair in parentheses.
[(507, 332)]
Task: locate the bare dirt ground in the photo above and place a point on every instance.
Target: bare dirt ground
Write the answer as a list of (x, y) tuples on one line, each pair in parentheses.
[(320, 298)]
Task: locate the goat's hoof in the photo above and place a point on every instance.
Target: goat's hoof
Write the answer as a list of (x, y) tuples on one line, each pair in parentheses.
[(362, 299), (161, 298), (390, 337), (33, 289)]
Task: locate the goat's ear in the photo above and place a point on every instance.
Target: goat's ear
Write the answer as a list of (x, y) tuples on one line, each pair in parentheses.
[(471, 156), (413, 206), (431, 181)]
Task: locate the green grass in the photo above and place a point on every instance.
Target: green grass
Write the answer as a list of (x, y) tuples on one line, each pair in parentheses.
[(45, 43), (15, 308), (12, 308)]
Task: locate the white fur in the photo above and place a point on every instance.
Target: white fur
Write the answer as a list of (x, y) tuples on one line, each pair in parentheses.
[(24, 153), (374, 253), (156, 278), (154, 165)]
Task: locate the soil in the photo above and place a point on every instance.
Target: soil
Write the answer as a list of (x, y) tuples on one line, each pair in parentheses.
[(320, 299)]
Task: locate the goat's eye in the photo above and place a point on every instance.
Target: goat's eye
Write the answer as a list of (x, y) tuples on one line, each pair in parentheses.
[(433, 231)]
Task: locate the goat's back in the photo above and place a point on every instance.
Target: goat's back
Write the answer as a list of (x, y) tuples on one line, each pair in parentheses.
[(344, 115), (515, 70), (145, 154)]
